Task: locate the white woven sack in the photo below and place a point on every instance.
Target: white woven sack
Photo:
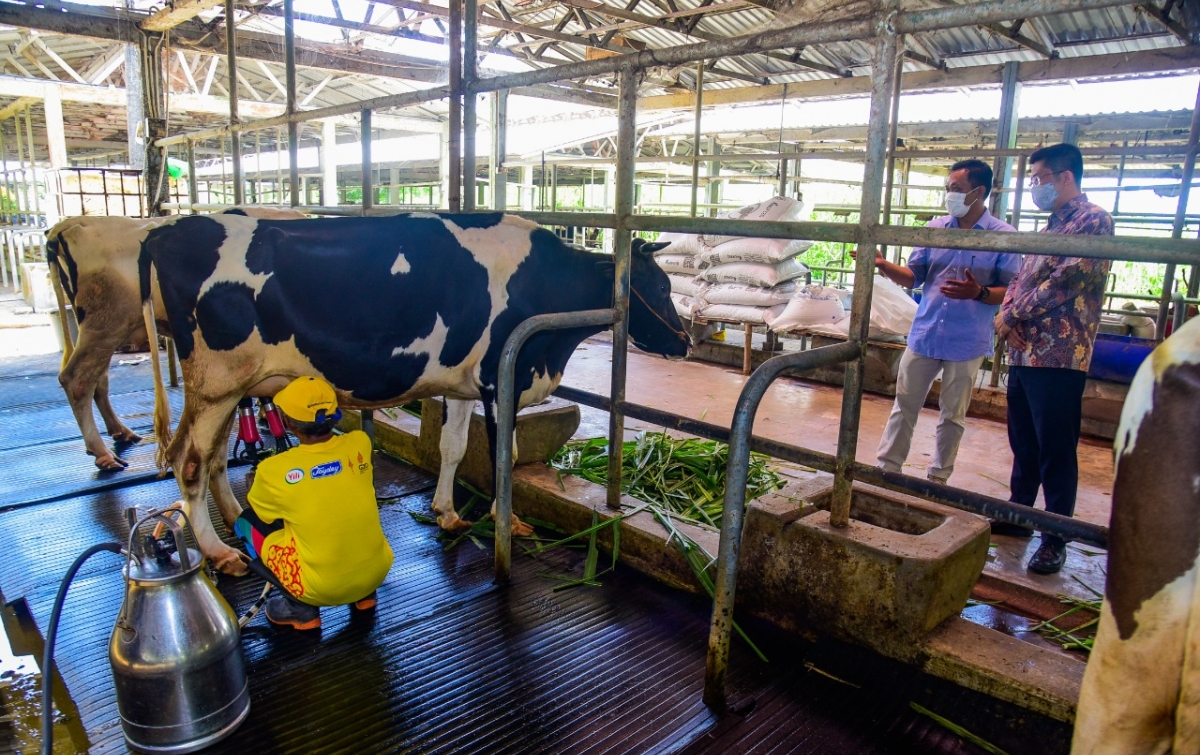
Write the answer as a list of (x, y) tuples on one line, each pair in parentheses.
[(755, 273), (686, 284), (685, 306), (775, 208), (753, 249), (811, 305), (679, 263), (754, 296), (892, 310), (681, 243), (739, 313)]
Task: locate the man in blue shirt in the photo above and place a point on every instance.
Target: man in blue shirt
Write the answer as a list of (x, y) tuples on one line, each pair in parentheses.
[(952, 331)]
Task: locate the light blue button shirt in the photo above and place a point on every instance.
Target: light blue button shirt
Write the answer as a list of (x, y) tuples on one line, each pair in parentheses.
[(957, 329)]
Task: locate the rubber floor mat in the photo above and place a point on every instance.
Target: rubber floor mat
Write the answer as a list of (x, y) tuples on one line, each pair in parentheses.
[(29, 425), (24, 383), (450, 663)]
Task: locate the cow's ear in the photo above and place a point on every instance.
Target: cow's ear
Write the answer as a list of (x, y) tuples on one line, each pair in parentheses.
[(641, 246)]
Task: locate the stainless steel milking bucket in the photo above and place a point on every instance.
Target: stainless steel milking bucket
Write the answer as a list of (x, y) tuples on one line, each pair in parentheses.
[(175, 651)]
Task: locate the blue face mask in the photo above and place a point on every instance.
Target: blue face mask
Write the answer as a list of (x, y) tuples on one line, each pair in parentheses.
[(1044, 196)]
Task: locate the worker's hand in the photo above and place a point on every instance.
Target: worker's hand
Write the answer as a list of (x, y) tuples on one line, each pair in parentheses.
[(878, 257), (1009, 334), (961, 289)]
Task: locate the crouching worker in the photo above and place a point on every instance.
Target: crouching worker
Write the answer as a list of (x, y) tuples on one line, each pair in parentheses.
[(313, 519)]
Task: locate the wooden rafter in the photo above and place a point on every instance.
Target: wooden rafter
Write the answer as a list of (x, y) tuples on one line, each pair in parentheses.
[(104, 65), (177, 13), (187, 70)]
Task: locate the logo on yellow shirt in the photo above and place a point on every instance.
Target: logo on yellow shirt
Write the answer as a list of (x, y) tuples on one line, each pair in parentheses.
[(294, 476), (328, 469)]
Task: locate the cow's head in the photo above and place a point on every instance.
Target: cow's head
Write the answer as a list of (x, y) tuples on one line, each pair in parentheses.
[(653, 324)]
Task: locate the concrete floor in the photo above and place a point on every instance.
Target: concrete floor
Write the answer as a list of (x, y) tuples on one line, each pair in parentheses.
[(808, 414)]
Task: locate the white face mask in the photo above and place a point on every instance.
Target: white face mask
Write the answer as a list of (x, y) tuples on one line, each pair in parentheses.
[(956, 203)]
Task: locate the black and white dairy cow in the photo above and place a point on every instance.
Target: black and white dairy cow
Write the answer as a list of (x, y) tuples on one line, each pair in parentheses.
[(94, 261), (387, 309), (1141, 690)]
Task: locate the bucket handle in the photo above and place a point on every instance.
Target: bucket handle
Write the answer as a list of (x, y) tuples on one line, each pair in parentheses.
[(176, 529)]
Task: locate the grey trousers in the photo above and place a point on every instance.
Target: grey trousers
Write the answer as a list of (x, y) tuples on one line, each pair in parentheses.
[(916, 377)]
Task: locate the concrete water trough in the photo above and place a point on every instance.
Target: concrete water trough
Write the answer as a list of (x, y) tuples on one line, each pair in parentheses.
[(895, 581)]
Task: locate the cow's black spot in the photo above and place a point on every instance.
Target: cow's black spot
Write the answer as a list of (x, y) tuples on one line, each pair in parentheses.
[(226, 316), (260, 255), (185, 254), (1154, 534), (473, 219), (235, 211), (332, 289), (79, 315)]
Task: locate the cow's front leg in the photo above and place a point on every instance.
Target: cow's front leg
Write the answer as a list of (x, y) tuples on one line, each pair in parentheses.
[(519, 528), (453, 444), (201, 435)]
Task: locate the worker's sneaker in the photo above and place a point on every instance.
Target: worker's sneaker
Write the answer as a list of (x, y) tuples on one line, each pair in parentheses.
[(286, 612), (1049, 558), (367, 603)]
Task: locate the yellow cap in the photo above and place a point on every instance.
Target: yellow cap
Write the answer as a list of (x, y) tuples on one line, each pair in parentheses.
[(308, 399)]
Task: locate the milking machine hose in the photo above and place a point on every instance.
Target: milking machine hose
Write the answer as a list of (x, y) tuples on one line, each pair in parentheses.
[(51, 630)]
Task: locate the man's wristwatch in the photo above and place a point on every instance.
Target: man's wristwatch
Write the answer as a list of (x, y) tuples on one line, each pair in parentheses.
[(983, 293)]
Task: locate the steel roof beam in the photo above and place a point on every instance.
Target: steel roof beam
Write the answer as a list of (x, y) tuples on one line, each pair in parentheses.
[(1164, 19)]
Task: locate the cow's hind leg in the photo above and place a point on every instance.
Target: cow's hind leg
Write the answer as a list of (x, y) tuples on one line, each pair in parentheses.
[(203, 432), (218, 480), (453, 444), (112, 423), (79, 379)]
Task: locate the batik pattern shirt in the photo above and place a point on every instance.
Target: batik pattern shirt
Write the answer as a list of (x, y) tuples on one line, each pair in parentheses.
[(1055, 302)]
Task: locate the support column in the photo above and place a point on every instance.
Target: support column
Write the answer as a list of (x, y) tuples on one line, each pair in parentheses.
[(696, 134), (1071, 133), (883, 65), (499, 174), (154, 106), (56, 138), (293, 129), (1006, 138), (235, 138), (454, 142), (393, 186), (1185, 188), (712, 194), (368, 184), (134, 116), (890, 173), (470, 119), (193, 186), (329, 163), (626, 146)]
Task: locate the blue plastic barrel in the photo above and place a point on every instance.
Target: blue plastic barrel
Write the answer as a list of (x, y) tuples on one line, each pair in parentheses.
[(1117, 358)]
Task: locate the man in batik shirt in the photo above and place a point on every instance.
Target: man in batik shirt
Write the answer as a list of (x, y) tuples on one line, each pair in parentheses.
[(1049, 319)]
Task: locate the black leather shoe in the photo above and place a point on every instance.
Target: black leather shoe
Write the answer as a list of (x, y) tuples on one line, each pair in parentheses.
[(1010, 529), (1049, 558)]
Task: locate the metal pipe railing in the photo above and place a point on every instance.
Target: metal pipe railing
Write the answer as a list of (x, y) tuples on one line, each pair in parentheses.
[(736, 473), (506, 414), (966, 500)]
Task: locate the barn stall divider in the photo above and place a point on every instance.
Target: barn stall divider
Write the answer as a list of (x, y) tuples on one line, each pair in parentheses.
[(884, 28)]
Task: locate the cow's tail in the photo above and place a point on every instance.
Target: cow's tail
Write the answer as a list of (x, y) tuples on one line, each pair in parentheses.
[(57, 272), (162, 407)]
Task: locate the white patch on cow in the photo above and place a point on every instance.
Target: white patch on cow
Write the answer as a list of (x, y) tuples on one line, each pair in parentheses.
[(231, 265), (430, 345), (500, 249), (426, 215), (543, 386), (1182, 347), (401, 265)]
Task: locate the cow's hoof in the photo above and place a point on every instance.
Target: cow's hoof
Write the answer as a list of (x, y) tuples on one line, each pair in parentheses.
[(125, 437), (231, 563), (521, 529), (457, 527), (110, 463)]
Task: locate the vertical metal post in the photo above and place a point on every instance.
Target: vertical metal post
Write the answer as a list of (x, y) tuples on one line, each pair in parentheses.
[(193, 186), (368, 184), (1120, 181), (1006, 137), (454, 38), (22, 190), (884, 67), (172, 364), (470, 118), (1185, 188), (1018, 194), (696, 134), (239, 196), (890, 176), (626, 147), (783, 176), (499, 175), (553, 187), (293, 129), (33, 180)]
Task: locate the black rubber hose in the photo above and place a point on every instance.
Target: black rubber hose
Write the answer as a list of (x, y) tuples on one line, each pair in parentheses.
[(51, 631)]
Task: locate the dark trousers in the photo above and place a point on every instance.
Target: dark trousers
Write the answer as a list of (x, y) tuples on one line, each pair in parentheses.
[(1045, 406)]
